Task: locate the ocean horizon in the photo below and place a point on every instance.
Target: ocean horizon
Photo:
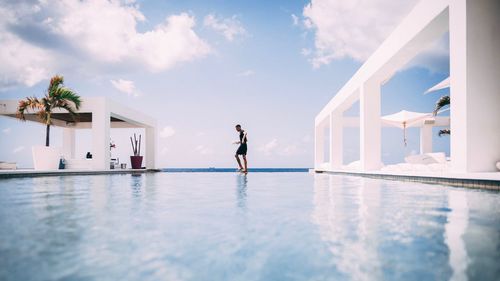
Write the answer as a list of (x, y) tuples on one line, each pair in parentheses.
[(232, 170)]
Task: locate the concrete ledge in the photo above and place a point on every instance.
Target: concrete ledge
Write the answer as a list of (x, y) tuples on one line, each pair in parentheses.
[(32, 173), (487, 181)]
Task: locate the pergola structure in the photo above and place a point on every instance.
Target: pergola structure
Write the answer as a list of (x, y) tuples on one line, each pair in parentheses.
[(473, 27), (99, 115)]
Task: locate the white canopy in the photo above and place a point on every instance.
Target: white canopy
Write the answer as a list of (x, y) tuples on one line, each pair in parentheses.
[(441, 85), (405, 119)]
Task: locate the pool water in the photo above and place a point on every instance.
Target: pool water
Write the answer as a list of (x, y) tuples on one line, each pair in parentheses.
[(262, 226)]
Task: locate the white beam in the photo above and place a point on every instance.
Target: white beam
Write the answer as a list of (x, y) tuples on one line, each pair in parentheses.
[(426, 23), (370, 126), (438, 121)]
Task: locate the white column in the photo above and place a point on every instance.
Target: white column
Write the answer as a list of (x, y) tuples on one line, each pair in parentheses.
[(100, 137), (151, 143), (319, 143), (426, 139), (475, 85), (336, 140), (69, 143), (370, 126)]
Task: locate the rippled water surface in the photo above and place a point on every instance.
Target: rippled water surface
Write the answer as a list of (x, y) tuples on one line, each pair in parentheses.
[(263, 226)]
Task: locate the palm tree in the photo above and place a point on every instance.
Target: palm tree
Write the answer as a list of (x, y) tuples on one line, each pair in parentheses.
[(442, 102), (56, 97)]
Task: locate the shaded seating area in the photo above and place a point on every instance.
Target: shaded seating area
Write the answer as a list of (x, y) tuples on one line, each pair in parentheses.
[(100, 115)]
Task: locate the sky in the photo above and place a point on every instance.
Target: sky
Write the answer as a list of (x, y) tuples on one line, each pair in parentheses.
[(200, 67)]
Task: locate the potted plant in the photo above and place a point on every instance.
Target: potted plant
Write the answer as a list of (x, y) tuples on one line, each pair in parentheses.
[(56, 97), (136, 159)]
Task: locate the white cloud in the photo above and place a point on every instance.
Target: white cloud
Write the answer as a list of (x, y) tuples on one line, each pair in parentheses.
[(170, 43), (346, 28), (6, 131), (203, 150), (125, 86), (37, 42), (246, 73), (306, 52), (268, 148), (291, 149), (229, 27), (167, 132), (22, 63), (18, 149), (295, 20)]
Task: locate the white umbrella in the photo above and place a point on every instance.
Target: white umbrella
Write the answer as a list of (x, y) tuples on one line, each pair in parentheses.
[(441, 85), (405, 119)]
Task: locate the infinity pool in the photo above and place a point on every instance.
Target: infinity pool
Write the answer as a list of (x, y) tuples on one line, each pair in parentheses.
[(263, 226)]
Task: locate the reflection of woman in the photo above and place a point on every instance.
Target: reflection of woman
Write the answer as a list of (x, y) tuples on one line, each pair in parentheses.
[(242, 182)]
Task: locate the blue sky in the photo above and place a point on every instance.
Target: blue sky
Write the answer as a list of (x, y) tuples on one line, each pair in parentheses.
[(200, 67)]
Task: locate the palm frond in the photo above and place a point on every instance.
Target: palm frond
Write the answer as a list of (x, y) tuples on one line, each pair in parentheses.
[(444, 132), (46, 103), (72, 111), (44, 116), (66, 94), (442, 102), (55, 82), (30, 103)]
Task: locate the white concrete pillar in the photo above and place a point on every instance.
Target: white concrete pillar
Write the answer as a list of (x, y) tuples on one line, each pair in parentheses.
[(336, 140), (426, 139), (475, 85), (370, 126), (69, 143), (151, 144), (100, 136), (319, 145)]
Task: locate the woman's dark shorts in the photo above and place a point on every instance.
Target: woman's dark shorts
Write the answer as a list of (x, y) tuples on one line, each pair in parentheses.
[(242, 150)]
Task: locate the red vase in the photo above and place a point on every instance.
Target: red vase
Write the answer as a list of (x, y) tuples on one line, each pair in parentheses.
[(136, 162)]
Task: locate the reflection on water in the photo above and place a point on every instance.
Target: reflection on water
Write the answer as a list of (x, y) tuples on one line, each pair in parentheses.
[(346, 209), (136, 184), (382, 230), (455, 228), (242, 183), (264, 226)]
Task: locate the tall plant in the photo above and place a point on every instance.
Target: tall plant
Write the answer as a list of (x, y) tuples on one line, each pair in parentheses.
[(56, 97), (136, 145), (440, 104)]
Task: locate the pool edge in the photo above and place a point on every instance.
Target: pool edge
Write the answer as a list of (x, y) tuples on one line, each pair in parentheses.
[(472, 183), (32, 173)]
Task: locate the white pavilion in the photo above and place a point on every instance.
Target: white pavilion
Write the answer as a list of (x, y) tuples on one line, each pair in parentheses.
[(100, 115), (474, 34)]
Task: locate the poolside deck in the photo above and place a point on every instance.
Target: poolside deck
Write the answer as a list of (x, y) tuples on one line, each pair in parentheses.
[(489, 181), (33, 173)]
